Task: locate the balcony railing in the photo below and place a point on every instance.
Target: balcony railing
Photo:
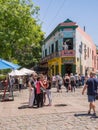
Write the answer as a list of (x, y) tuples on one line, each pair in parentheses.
[(63, 53), (68, 53)]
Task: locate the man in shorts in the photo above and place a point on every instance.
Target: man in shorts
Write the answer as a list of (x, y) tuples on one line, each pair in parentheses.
[(91, 86)]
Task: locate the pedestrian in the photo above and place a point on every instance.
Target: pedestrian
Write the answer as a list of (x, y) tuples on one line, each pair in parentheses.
[(91, 86), (53, 80), (11, 85), (20, 83), (57, 81), (82, 79), (39, 93), (31, 91), (48, 91), (35, 81), (67, 82), (43, 82), (60, 83), (77, 80), (72, 82)]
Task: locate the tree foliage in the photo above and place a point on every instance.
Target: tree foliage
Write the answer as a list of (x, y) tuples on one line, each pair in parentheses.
[(20, 34)]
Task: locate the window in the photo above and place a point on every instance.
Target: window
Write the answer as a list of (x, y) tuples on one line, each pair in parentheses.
[(92, 55), (68, 43), (45, 52), (56, 49), (85, 51), (52, 48), (88, 52), (49, 49), (80, 47)]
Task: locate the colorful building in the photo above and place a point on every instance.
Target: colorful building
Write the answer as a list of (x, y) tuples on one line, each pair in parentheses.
[(68, 49)]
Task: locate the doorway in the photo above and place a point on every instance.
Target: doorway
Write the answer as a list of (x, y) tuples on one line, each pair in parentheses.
[(68, 68)]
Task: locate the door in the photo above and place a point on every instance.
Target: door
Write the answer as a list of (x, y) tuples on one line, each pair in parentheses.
[(68, 68)]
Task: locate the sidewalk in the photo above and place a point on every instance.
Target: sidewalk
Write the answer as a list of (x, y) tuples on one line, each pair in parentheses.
[(68, 112)]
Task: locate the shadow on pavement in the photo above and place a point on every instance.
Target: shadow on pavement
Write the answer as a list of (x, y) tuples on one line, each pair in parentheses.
[(85, 114), (94, 117), (61, 105), (23, 107), (26, 106)]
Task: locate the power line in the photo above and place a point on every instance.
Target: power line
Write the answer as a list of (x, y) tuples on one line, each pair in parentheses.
[(56, 15)]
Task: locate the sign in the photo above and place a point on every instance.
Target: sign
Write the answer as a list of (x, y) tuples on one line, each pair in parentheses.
[(68, 53), (68, 60)]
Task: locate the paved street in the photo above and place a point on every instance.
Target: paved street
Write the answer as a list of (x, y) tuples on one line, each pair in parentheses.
[(68, 112)]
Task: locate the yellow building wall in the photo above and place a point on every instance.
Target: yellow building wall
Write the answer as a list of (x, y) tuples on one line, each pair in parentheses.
[(52, 66)]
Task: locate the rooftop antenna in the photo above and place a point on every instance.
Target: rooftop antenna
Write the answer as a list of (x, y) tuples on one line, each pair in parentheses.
[(84, 28)]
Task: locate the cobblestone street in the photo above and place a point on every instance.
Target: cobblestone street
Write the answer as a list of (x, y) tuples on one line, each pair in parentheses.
[(68, 112)]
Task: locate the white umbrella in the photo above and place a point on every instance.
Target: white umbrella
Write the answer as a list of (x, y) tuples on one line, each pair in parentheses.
[(27, 71), (16, 73)]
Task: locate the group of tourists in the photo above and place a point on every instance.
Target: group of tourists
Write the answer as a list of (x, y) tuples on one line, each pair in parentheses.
[(69, 81), (39, 88)]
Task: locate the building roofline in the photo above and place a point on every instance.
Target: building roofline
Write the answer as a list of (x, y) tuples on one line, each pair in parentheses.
[(66, 24)]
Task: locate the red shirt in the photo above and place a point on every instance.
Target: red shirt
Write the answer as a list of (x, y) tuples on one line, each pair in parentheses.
[(38, 87)]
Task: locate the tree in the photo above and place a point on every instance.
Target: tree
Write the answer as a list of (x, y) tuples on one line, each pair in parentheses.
[(20, 33)]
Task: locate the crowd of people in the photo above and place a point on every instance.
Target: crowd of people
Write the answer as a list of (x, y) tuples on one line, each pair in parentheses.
[(69, 81), (40, 87)]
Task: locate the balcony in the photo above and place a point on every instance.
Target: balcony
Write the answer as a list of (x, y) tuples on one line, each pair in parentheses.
[(67, 53), (63, 53)]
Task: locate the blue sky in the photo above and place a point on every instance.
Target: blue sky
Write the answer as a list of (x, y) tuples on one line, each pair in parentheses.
[(83, 12)]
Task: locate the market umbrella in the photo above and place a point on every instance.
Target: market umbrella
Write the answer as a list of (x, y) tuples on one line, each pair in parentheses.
[(16, 73), (27, 71), (8, 65)]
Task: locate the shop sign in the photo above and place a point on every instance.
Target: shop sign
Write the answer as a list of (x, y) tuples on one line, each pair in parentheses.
[(68, 53), (68, 60)]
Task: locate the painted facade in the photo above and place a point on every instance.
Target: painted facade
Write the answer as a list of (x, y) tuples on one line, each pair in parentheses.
[(68, 49)]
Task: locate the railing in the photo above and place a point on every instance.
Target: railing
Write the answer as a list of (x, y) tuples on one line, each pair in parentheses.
[(62, 53)]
